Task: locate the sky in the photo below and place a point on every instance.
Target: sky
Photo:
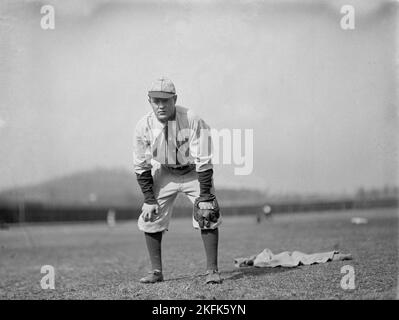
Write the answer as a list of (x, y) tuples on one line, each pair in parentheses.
[(321, 101)]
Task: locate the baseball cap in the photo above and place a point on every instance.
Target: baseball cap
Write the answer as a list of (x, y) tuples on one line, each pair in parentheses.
[(162, 88)]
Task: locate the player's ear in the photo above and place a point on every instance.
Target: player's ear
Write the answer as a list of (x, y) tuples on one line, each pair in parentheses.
[(175, 98)]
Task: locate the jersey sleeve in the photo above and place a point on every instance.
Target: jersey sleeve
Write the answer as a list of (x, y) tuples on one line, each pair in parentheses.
[(201, 144), (142, 154)]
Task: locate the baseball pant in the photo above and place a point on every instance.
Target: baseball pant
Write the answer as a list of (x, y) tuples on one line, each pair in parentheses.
[(167, 186)]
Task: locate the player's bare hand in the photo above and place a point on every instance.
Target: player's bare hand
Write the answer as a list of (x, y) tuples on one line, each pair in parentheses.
[(150, 212)]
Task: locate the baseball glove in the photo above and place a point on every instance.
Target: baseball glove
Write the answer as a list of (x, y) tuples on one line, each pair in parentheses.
[(205, 217)]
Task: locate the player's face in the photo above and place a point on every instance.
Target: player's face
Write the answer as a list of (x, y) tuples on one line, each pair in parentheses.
[(164, 109)]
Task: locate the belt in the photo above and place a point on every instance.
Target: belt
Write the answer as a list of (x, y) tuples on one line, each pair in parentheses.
[(182, 169)]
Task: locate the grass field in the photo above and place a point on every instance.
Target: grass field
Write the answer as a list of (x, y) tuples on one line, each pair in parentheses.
[(92, 261)]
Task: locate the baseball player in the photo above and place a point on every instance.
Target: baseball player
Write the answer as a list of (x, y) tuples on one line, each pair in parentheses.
[(172, 154)]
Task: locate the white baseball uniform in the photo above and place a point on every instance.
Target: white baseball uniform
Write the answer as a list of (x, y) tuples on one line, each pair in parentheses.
[(174, 153)]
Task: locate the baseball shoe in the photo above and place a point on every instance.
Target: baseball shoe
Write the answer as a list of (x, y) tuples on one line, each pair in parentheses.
[(154, 276), (213, 276)]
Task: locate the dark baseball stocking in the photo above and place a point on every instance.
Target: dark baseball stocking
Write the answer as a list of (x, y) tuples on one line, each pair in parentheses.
[(211, 239), (153, 241)]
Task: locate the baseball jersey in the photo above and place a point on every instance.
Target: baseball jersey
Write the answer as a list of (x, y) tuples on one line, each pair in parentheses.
[(185, 140)]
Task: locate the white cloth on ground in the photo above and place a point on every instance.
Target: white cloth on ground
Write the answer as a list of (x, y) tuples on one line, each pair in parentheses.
[(284, 259)]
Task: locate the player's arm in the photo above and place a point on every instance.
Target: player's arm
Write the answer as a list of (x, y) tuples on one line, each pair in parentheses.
[(142, 166), (146, 184), (205, 182), (201, 151), (206, 206)]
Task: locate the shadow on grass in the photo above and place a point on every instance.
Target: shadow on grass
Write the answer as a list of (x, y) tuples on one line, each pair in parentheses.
[(184, 277), (252, 271), (237, 273)]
